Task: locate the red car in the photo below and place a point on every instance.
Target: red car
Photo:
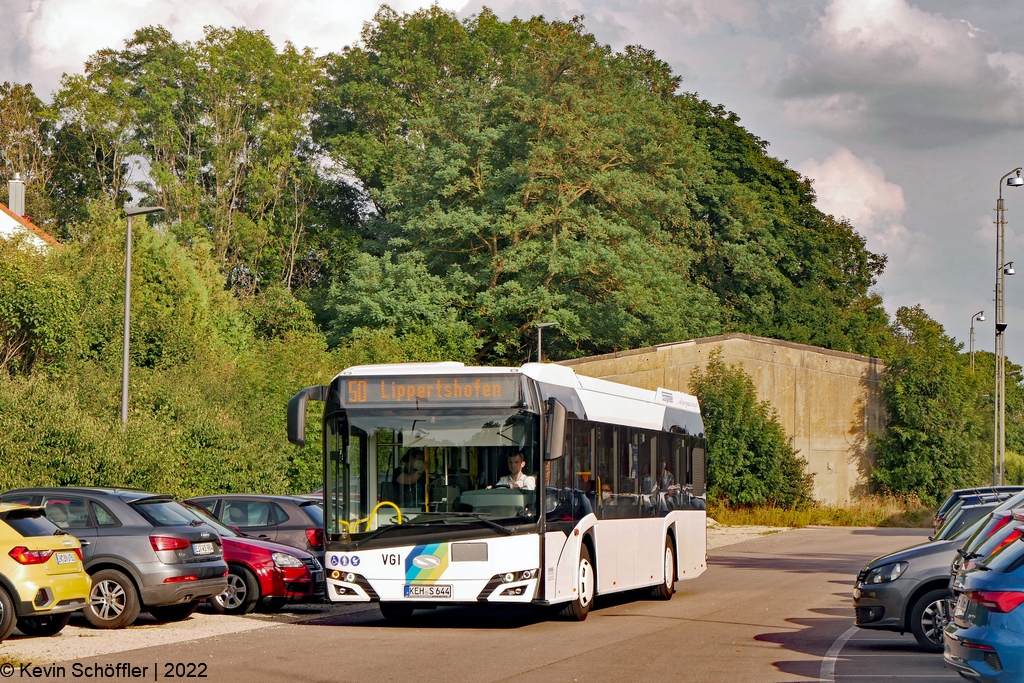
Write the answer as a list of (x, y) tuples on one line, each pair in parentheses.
[(264, 571)]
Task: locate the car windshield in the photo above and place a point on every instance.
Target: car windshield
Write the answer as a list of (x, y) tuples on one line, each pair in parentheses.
[(31, 523), (951, 519), (315, 512), (164, 512), (205, 516), (1007, 559), (438, 467)]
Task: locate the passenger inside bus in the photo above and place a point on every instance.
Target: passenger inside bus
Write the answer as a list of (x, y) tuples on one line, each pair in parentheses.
[(408, 478)]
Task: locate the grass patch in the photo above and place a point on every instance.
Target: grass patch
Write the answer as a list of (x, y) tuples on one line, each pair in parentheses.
[(891, 511)]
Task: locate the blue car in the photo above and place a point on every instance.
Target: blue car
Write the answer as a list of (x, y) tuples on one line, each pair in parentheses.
[(985, 641)]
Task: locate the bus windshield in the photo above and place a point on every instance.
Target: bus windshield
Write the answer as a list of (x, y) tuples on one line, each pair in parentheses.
[(434, 466)]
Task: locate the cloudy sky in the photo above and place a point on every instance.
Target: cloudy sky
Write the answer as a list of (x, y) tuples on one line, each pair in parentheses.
[(904, 113)]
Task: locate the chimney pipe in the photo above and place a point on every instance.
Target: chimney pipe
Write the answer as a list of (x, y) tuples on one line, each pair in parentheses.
[(16, 195)]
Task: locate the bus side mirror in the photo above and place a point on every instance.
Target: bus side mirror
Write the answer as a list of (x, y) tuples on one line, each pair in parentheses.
[(556, 430), (297, 412)]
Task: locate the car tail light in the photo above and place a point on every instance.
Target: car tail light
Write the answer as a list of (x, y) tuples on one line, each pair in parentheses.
[(23, 555), (1014, 535), (316, 537), (181, 579), (977, 646), (1000, 524), (998, 601), (168, 543), (78, 551)]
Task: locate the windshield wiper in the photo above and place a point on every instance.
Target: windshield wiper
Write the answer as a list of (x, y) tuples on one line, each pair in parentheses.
[(983, 567), (481, 518)]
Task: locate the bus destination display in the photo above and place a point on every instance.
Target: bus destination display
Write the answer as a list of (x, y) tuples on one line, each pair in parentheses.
[(464, 391)]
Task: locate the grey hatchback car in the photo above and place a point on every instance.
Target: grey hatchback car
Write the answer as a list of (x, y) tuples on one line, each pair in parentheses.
[(909, 590), (292, 520), (144, 551)]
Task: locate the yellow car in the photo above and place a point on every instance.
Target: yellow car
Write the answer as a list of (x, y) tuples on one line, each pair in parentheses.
[(42, 579)]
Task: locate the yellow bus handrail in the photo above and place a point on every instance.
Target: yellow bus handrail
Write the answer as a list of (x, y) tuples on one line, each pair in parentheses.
[(369, 520)]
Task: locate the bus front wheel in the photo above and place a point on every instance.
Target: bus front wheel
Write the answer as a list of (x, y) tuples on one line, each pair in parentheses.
[(667, 587), (579, 608)]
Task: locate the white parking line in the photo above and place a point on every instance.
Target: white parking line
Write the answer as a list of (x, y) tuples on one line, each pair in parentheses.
[(827, 673)]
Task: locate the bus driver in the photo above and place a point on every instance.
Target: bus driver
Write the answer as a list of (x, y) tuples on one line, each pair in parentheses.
[(517, 480)]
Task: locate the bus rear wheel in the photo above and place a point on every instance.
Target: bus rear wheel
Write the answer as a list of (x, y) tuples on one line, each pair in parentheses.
[(667, 587), (395, 611), (579, 608)]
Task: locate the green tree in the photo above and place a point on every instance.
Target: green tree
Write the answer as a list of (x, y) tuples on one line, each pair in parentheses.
[(39, 323), (935, 433), (750, 461)]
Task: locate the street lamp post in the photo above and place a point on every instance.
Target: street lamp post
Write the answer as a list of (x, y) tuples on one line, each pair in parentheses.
[(980, 317), (1003, 269), (540, 347), (130, 212)]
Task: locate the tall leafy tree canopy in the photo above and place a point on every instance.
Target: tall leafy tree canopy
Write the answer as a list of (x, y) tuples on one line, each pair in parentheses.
[(545, 177)]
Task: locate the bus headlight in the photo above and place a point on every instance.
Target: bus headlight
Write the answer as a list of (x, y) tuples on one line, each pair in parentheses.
[(509, 577), (350, 578)]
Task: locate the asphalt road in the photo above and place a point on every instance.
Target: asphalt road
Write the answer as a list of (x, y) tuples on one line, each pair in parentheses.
[(776, 608)]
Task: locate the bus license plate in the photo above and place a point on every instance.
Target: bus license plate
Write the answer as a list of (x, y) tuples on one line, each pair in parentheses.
[(202, 548), (433, 592), (66, 558), (961, 606)]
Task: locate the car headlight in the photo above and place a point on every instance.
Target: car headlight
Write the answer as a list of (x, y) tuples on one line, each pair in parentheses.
[(286, 560), (885, 573)]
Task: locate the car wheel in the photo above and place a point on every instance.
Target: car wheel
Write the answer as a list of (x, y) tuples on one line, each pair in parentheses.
[(44, 625), (113, 601), (241, 595), (395, 611), (667, 588), (929, 618), (177, 612), (578, 609), (8, 620)]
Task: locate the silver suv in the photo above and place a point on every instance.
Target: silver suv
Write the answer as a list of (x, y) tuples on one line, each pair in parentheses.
[(144, 551)]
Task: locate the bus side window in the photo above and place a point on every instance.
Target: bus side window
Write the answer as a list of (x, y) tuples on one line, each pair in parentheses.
[(698, 452), (604, 446), (584, 497)]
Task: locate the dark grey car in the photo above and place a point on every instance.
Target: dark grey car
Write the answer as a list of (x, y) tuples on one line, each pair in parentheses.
[(909, 590), (292, 520), (144, 551)]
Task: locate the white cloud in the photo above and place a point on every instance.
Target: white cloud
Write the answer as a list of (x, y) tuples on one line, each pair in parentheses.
[(856, 189), (50, 37), (925, 79)]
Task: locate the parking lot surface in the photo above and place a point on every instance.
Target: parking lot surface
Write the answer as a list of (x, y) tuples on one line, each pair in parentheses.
[(772, 608)]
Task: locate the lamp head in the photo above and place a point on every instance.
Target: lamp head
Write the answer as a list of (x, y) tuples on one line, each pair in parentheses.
[(980, 318), (1015, 180), (1008, 270)]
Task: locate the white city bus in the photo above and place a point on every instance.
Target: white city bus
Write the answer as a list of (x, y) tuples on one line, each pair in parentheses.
[(447, 484)]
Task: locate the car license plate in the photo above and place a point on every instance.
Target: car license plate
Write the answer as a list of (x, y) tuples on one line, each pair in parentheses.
[(961, 606), (66, 558), (202, 548), (437, 591)]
